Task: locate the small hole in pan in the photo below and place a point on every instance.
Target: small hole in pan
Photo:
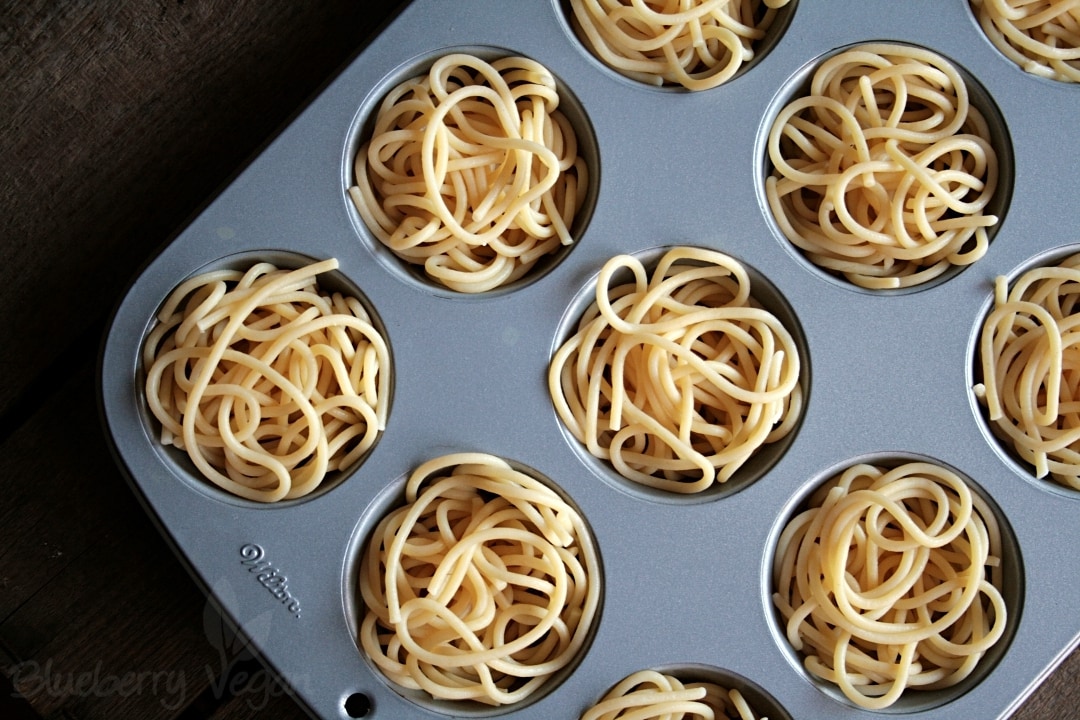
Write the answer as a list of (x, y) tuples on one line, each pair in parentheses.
[(358, 705)]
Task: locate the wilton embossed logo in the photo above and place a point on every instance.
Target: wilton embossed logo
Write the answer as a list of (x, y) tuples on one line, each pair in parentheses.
[(254, 558)]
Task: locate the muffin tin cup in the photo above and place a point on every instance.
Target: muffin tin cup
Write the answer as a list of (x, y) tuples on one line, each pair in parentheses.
[(763, 295), (178, 461), (996, 440), (798, 86), (361, 131), (1011, 586), (685, 584)]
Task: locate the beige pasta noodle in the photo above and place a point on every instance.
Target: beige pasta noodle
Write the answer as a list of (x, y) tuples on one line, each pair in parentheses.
[(1029, 357), (883, 172), (890, 580), (677, 378), (1041, 36), (266, 382), (652, 695), (695, 44), (483, 585), (472, 172)]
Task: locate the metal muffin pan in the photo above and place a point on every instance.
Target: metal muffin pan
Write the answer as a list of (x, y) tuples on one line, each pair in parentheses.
[(685, 580)]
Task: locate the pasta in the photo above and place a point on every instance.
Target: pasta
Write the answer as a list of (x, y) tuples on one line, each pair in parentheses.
[(481, 587), (679, 378), (1029, 356), (696, 44), (883, 171), (472, 172), (650, 694), (266, 382), (890, 580), (1041, 36)]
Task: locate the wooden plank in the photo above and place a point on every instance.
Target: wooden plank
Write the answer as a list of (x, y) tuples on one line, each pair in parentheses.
[(100, 619), (1058, 698), (64, 492), (104, 617), (117, 121)]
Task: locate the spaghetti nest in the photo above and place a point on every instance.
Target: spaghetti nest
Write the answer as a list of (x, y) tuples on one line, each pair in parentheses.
[(267, 382), (1041, 36), (1029, 357), (883, 172), (891, 580), (696, 44), (481, 587), (677, 378), (651, 695), (472, 171)]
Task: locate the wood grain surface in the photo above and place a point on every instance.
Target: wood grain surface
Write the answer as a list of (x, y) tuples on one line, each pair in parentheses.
[(118, 121)]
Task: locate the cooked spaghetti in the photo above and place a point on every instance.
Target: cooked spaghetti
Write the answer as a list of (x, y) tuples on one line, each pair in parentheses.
[(472, 172), (883, 172), (679, 377), (651, 695), (890, 580), (481, 586), (1041, 36), (265, 381), (1029, 358), (695, 44)]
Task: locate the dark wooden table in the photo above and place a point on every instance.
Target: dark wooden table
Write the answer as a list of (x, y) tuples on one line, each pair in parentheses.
[(118, 120)]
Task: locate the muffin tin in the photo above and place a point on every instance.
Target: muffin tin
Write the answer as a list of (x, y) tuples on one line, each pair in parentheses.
[(686, 580)]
